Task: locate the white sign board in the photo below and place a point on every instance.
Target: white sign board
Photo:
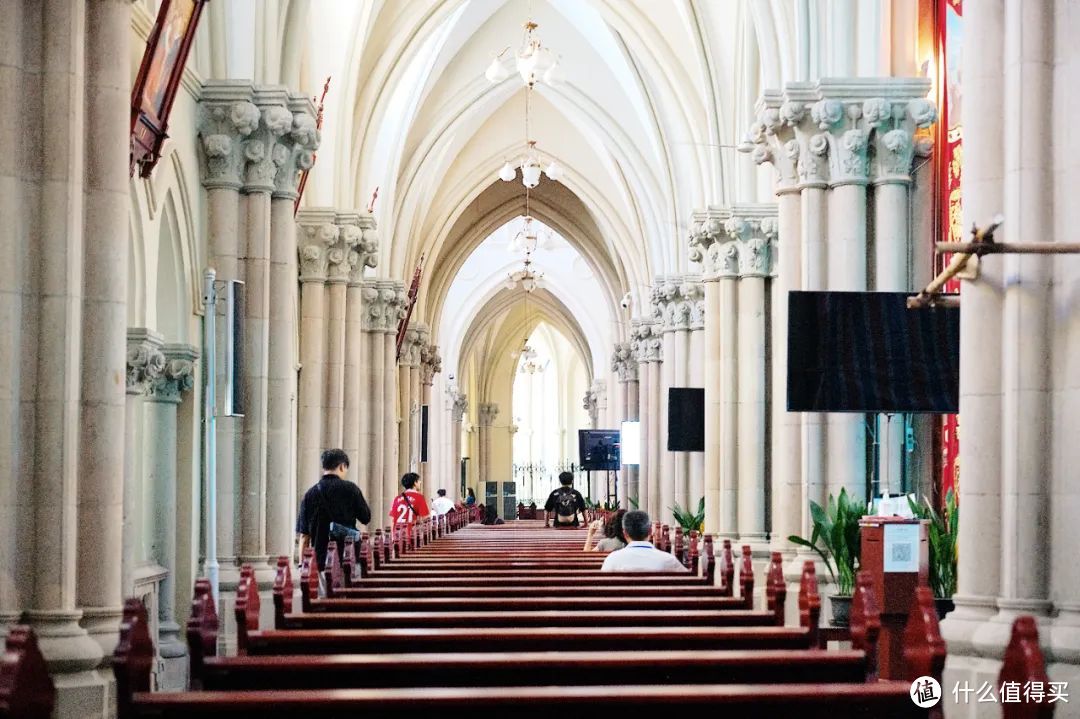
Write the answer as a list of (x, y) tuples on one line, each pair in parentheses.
[(901, 547), (630, 442)]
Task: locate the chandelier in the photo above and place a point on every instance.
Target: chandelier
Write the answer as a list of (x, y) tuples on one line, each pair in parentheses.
[(527, 277), (528, 240), (534, 61)]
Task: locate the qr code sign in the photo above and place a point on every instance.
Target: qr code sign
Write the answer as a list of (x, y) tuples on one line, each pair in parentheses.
[(901, 552)]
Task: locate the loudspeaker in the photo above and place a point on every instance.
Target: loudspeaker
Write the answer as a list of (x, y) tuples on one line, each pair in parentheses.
[(686, 419), (424, 433), (234, 349)]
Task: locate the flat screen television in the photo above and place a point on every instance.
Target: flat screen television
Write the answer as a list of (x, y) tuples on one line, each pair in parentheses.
[(599, 449), (867, 352), (686, 419)]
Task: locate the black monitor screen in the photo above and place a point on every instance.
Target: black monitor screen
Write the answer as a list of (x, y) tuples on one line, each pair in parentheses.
[(686, 419), (599, 449), (867, 352)]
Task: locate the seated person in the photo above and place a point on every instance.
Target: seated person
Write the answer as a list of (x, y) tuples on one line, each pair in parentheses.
[(441, 504), (491, 517), (639, 555), (613, 534), (565, 503)]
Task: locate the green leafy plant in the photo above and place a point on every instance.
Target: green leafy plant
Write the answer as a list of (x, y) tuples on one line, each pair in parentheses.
[(689, 521), (836, 539), (942, 533), (633, 502), (611, 506)]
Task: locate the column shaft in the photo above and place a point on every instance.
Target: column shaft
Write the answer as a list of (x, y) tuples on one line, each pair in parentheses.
[(352, 389), (391, 415), (846, 436), (333, 404), (256, 376), (377, 447), (696, 378), (310, 414), (713, 406), (281, 383), (645, 415), (786, 460), (104, 253), (669, 477), (657, 444), (891, 241), (751, 409), (814, 277), (729, 396)]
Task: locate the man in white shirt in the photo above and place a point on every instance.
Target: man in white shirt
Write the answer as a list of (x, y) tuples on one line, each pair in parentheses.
[(640, 555), (441, 504)]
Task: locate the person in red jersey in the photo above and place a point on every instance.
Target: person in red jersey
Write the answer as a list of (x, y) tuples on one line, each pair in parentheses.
[(410, 505)]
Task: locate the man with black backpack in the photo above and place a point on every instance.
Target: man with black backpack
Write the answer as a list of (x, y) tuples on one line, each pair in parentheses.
[(332, 501), (565, 503)]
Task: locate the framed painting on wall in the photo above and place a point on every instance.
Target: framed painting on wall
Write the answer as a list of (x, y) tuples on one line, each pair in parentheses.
[(162, 67)]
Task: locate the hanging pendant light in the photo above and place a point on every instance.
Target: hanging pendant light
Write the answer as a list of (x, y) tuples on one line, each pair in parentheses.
[(554, 75), (496, 71), (507, 173), (553, 171)]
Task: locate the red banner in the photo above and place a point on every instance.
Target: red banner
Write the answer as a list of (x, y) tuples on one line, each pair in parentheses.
[(950, 142)]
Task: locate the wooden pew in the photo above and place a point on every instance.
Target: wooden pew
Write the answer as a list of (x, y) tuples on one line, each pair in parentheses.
[(26, 691), (878, 699)]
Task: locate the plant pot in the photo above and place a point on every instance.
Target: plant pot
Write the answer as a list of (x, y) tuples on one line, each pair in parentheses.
[(943, 605), (841, 609)]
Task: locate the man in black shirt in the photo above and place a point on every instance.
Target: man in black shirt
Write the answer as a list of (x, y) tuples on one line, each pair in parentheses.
[(331, 500), (565, 503)]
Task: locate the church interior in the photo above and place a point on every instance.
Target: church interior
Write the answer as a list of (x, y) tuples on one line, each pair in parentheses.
[(793, 277)]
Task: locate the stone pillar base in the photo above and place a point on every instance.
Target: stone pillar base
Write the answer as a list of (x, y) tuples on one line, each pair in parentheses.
[(173, 674), (85, 695), (102, 624)]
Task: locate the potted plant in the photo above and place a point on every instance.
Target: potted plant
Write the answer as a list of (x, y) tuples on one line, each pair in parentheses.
[(690, 522), (835, 538), (942, 536)]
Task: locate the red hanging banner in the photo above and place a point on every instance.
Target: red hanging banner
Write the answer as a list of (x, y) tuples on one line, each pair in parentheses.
[(950, 139)]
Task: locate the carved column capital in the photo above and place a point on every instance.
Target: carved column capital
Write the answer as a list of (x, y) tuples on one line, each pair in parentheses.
[(842, 131), (706, 229), (647, 339), (145, 360), (486, 413), (263, 154), (459, 405), (178, 375), (384, 304), (317, 234), (366, 250), (754, 228), (430, 363), (624, 362), (296, 148), (410, 348), (342, 254), (227, 117), (677, 297)]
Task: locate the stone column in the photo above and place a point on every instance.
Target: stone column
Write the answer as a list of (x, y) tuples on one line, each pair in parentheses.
[(164, 394), (696, 378), (724, 258), (379, 311), (706, 231), (488, 411), (145, 364), (754, 227), (417, 399), (339, 270), (359, 400), (316, 236), (891, 180), (588, 403), (664, 301), (625, 366), (776, 144), (227, 117), (431, 365), (393, 413), (639, 339), (281, 387), (653, 344), (352, 389), (459, 405), (105, 205), (262, 162), (407, 362)]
